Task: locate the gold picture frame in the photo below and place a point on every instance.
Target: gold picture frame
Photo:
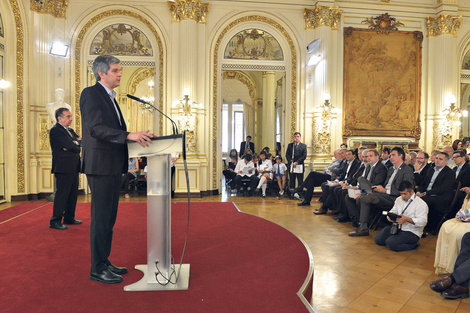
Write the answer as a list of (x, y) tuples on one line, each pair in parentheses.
[(382, 83)]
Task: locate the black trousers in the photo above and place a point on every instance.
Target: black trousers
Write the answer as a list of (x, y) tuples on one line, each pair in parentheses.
[(65, 199), (105, 192)]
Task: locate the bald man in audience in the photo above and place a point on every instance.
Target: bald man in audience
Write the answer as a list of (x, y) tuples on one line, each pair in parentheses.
[(450, 153)]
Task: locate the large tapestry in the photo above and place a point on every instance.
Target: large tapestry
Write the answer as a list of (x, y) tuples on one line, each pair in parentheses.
[(382, 83)]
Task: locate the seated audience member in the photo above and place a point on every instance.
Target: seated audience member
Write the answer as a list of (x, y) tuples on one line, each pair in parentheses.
[(408, 226), (385, 159), (232, 155), (433, 156), (449, 239), (413, 156), (333, 199), (330, 172), (437, 189), (279, 170), (327, 188), (407, 159), (383, 196), (455, 285), (265, 169), (450, 153), (266, 150), (230, 173), (255, 160), (245, 169), (457, 144), (421, 167), (130, 175), (343, 146), (465, 143), (462, 174), (375, 174), (340, 193)]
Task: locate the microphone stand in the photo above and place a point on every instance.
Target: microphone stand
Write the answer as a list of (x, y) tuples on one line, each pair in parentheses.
[(175, 127)]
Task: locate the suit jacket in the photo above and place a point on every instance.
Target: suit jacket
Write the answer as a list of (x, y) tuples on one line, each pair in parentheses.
[(349, 177), (104, 137), (64, 161), (404, 173), (388, 164), (243, 147), (464, 175), (443, 185), (359, 172), (420, 177), (300, 153), (379, 174)]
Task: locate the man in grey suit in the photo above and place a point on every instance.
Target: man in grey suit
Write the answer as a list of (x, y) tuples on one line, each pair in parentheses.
[(455, 285), (383, 196), (104, 160)]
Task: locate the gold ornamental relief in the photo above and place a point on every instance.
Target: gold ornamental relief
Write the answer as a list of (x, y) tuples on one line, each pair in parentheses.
[(244, 79), (56, 8), (322, 15), (444, 24), (188, 10)]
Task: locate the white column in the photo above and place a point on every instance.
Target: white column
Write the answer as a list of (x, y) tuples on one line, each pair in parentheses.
[(269, 111)]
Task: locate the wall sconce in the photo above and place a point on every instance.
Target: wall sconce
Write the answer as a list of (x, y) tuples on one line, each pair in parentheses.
[(4, 84), (327, 110), (186, 119), (452, 113), (59, 49), (150, 98)]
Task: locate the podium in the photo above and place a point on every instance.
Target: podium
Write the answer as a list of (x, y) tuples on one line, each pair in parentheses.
[(159, 272)]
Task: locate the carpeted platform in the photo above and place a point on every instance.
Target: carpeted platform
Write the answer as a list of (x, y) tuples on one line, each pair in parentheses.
[(239, 263)]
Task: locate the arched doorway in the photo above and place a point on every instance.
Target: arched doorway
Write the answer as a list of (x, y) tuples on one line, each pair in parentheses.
[(288, 81)]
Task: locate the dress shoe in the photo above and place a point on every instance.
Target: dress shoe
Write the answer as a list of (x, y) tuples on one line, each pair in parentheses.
[(343, 219), (117, 270), (58, 225), (320, 211), (73, 222), (106, 277), (354, 224), (303, 203), (455, 292), (359, 232), (441, 284), (332, 212)]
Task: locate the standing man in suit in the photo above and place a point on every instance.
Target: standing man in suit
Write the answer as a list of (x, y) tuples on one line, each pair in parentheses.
[(104, 160), (437, 189), (65, 166), (383, 196), (246, 145), (296, 154)]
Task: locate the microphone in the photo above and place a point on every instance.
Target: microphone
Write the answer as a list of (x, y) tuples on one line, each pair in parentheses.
[(175, 128)]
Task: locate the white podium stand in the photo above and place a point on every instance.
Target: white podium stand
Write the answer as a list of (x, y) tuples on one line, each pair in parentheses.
[(159, 272)]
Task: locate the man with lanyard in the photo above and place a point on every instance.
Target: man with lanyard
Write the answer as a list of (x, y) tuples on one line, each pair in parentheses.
[(412, 214)]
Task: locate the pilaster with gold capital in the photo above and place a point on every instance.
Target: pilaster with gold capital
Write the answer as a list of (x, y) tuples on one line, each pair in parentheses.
[(188, 10), (443, 24), (322, 15)]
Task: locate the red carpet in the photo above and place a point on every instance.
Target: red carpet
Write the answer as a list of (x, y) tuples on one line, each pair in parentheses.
[(239, 263)]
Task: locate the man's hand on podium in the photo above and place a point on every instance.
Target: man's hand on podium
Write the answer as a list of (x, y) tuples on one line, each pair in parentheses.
[(143, 137)]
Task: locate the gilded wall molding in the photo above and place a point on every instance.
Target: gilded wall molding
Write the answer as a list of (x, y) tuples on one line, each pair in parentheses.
[(188, 10), (44, 127), (56, 8), (444, 24), (215, 76), (20, 165), (442, 134), (322, 15), (140, 76), (244, 79), (77, 62)]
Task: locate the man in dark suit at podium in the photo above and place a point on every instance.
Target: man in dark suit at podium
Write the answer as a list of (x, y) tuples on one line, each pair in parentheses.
[(65, 166), (104, 160), (245, 145)]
